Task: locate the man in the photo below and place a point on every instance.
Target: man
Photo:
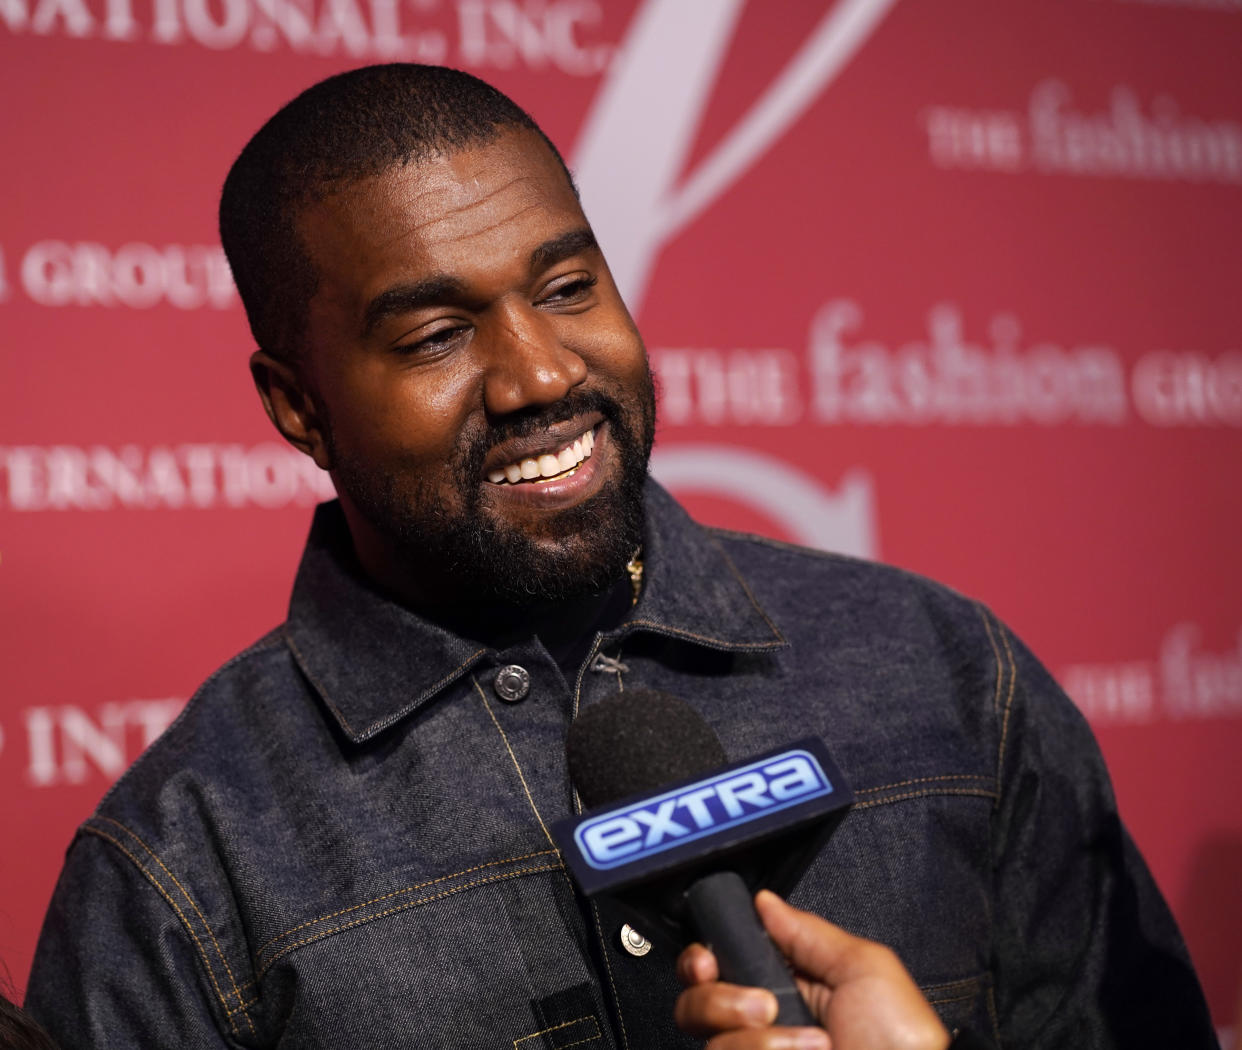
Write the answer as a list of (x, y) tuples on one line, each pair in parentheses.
[(344, 838)]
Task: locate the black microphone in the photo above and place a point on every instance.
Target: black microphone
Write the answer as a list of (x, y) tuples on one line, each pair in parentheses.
[(675, 832)]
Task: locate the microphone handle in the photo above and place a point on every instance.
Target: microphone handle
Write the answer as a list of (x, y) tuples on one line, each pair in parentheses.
[(724, 916)]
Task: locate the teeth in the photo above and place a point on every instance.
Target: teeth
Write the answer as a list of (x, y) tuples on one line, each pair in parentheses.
[(548, 465)]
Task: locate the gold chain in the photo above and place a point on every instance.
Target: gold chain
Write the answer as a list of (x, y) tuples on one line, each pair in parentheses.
[(635, 568)]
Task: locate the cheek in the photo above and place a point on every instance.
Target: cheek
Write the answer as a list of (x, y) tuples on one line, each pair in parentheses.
[(412, 414), (615, 349)]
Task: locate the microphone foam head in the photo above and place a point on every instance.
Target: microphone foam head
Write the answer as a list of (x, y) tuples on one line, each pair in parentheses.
[(636, 742)]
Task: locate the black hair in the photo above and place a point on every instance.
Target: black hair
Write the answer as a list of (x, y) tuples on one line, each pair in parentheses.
[(348, 127), (20, 1031)]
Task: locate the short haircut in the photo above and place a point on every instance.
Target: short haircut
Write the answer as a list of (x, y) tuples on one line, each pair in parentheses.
[(348, 127)]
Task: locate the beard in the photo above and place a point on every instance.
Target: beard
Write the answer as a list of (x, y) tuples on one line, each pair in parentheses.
[(449, 535)]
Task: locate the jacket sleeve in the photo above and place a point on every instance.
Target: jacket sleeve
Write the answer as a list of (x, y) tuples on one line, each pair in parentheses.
[(123, 961), (1087, 952)]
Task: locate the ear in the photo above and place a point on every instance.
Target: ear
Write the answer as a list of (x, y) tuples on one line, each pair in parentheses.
[(290, 406)]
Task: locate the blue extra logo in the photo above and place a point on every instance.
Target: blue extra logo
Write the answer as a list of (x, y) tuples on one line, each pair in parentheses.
[(707, 807)]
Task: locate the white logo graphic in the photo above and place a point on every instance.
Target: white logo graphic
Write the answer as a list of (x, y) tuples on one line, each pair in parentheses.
[(168, 477), (843, 521), (951, 373), (949, 379), (1057, 137), (140, 276), (1185, 682), (68, 744), (635, 139), (717, 804), (501, 34)]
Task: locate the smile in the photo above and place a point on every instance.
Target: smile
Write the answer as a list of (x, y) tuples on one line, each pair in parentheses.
[(549, 465)]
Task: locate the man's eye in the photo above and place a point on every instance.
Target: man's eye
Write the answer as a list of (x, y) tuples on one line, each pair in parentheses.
[(440, 339), (571, 291)]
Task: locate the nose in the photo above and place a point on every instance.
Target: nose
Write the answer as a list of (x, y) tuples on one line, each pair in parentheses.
[(528, 363)]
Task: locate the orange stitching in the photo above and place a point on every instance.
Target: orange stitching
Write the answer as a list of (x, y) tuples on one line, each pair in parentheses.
[(435, 687), (924, 780), (579, 1042), (198, 911), (403, 907), (949, 986), (582, 674), (243, 1006), (555, 1027), (396, 893), (310, 677), (995, 652), (726, 646), (992, 1015), (180, 914), (925, 794), (241, 988), (956, 998), (625, 1039), (426, 694), (384, 723), (1013, 678), (516, 765), (745, 587)]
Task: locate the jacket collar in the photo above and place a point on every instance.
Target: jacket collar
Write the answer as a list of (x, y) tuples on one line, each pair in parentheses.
[(373, 661)]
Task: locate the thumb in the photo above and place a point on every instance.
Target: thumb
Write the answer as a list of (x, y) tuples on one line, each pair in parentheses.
[(816, 947)]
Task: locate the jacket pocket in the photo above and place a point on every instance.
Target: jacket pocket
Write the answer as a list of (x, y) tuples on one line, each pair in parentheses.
[(964, 1004), (583, 1031)]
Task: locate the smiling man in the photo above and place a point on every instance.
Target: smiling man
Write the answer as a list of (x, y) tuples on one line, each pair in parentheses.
[(343, 840), (466, 369)]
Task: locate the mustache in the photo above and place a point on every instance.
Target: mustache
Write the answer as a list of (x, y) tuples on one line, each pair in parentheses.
[(532, 420)]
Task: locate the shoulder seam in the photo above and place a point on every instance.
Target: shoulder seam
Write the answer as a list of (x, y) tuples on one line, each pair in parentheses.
[(749, 593), (221, 996), (1006, 666)]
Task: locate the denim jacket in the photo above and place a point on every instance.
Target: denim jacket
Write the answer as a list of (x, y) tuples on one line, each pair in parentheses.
[(343, 841)]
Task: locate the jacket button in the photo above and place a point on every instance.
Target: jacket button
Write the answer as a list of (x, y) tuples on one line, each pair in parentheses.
[(633, 941), (512, 683)]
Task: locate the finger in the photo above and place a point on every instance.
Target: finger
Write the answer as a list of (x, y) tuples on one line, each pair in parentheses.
[(819, 948), (772, 1039), (697, 965), (705, 1009)]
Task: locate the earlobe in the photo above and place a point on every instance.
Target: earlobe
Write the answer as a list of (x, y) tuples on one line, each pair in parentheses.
[(290, 406)]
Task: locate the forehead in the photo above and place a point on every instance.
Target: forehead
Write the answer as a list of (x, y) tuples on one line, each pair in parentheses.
[(451, 213)]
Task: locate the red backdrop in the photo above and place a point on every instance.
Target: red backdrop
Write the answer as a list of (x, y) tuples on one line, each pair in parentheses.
[(953, 284)]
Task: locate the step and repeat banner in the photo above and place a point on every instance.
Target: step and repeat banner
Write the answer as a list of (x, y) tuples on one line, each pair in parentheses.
[(955, 284)]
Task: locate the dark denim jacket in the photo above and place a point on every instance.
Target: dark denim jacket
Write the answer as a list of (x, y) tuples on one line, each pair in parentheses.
[(343, 840)]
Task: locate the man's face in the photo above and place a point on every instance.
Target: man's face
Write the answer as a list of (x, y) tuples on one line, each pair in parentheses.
[(466, 334)]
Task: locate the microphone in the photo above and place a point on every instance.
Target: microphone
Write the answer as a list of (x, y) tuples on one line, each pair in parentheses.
[(677, 833)]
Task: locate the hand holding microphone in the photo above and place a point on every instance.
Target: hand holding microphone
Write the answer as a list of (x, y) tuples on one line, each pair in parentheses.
[(681, 835), (857, 990)]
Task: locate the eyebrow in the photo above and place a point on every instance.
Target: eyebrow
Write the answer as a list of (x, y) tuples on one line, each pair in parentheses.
[(567, 245), (405, 298), (441, 288)]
